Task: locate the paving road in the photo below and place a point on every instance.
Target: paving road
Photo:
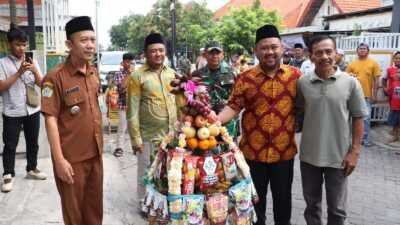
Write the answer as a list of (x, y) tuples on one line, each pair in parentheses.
[(374, 190)]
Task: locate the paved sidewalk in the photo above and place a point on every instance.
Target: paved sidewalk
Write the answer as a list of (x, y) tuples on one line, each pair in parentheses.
[(37, 202), (374, 190)]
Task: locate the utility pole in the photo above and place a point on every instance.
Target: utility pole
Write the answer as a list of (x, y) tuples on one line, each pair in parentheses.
[(13, 12), (31, 24), (97, 35), (173, 39), (395, 17)]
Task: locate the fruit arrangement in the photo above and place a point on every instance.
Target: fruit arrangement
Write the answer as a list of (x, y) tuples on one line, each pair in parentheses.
[(199, 175)]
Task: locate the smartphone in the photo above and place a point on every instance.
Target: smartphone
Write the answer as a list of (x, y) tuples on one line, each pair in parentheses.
[(28, 56)]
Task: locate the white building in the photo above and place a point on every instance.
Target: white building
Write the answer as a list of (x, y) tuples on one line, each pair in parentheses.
[(377, 19), (55, 15)]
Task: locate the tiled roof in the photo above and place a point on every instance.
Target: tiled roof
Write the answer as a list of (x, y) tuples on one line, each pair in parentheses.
[(293, 12), (346, 6), (283, 7)]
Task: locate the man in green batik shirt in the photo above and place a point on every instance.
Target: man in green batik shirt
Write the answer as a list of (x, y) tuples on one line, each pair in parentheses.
[(151, 108), (219, 78)]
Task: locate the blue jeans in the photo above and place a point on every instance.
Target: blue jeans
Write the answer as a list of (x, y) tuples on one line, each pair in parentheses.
[(367, 122)]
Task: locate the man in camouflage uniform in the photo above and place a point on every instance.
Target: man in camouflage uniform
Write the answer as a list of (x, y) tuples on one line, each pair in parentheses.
[(219, 78)]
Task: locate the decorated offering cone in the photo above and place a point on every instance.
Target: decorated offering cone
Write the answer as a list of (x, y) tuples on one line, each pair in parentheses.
[(199, 175)]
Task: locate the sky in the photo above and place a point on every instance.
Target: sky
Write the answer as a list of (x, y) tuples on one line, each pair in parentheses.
[(110, 11)]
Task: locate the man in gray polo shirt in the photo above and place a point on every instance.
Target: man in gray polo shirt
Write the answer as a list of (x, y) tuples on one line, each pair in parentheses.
[(334, 106), (16, 73)]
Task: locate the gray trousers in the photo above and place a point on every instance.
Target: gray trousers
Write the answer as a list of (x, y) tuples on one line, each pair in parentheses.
[(143, 163), (312, 178)]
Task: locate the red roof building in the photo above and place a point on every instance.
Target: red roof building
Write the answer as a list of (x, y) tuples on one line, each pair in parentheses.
[(297, 13)]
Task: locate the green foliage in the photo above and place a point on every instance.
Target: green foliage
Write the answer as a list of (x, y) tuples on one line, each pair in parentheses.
[(193, 23), (237, 29), (118, 33), (195, 26)]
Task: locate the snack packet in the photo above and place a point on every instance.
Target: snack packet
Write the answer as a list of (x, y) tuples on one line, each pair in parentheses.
[(208, 172), (189, 174), (175, 174), (175, 207), (193, 209), (241, 195), (217, 208), (241, 163), (230, 169)]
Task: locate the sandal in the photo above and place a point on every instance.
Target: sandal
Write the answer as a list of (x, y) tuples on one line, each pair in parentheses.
[(118, 152), (393, 139)]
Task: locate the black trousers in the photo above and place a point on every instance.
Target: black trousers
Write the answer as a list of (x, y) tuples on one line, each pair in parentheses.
[(280, 177), (12, 127)]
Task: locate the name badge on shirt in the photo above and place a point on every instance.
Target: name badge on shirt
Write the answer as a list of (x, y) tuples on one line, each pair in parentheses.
[(73, 89)]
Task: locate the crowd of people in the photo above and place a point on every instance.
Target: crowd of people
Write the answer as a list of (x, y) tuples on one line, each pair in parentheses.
[(325, 99)]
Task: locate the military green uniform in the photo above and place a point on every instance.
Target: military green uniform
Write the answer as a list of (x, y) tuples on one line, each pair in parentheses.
[(219, 83)]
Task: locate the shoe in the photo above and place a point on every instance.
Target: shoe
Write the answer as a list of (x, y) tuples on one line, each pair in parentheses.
[(367, 144), (36, 175), (391, 140), (7, 183), (118, 152)]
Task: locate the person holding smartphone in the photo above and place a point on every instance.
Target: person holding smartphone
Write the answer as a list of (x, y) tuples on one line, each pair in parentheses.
[(16, 73)]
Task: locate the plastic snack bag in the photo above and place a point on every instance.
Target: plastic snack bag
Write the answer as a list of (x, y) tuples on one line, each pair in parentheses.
[(241, 195), (241, 163), (193, 209), (230, 169), (175, 207), (208, 172), (175, 174), (189, 174), (217, 208)]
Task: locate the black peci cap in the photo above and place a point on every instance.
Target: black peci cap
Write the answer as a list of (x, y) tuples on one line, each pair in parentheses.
[(267, 31), (153, 38), (77, 24)]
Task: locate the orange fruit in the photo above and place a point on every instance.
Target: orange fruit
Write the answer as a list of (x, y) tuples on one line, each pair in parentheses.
[(192, 143), (212, 142), (204, 144)]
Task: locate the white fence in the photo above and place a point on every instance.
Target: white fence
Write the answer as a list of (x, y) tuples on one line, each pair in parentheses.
[(382, 46), (378, 41)]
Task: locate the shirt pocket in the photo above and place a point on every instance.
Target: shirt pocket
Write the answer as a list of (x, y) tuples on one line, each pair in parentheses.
[(75, 98), (74, 105)]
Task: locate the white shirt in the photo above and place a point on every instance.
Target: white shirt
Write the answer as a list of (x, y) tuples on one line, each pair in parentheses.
[(14, 99), (307, 67)]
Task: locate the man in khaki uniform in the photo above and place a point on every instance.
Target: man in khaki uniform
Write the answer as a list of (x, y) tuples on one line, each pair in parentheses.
[(73, 123)]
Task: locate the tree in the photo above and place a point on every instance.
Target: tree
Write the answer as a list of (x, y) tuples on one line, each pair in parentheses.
[(194, 26), (237, 29), (118, 34)]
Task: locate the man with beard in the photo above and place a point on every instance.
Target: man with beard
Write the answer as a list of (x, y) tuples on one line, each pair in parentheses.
[(334, 106), (73, 124), (267, 92), (151, 108)]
